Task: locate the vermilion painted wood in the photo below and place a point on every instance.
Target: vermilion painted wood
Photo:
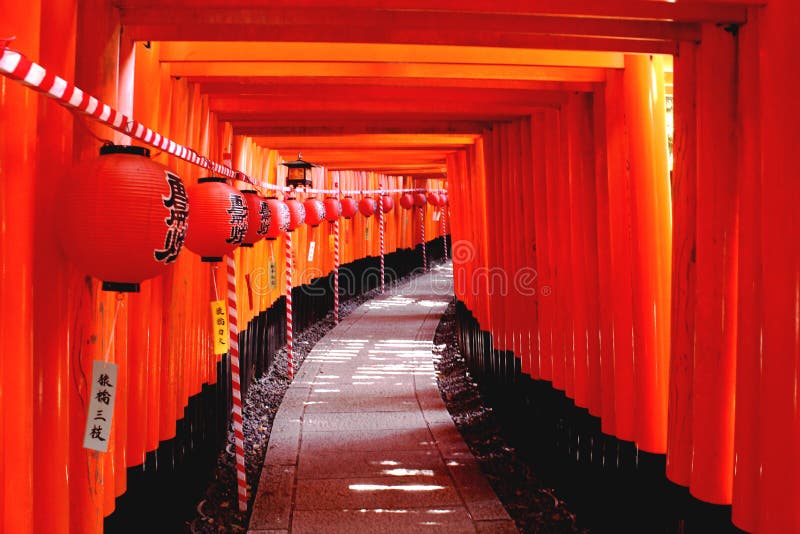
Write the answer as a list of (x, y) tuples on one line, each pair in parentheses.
[(447, 36), (521, 326), (558, 182), (481, 246), (695, 11), (590, 253), (51, 319), (717, 243), (409, 22), (619, 203), (175, 51), (544, 277), (780, 408), (527, 276), (495, 238), (605, 274), (18, 113), (684, 239), (306, 82), (510, 242), (578, 221), (120, 439), (650, 315), (745, 500), (154, 362)]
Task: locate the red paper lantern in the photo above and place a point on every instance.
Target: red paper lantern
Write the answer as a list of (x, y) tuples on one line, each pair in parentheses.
[(419, 199), (433, 199), (315, 211), (258, 218), (279, 217), (219, 218), (297, 213), (349, 207), (333, 209), (443, 200), (367, 206), (407, 201), (122, 217), (387, 203)]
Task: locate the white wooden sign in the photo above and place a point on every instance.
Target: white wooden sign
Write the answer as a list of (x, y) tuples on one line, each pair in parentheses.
[(103, 390)]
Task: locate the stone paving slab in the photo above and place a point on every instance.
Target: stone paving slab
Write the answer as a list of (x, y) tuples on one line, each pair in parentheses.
[(445, 520), (363, 442), (349, 464), (367, 440)]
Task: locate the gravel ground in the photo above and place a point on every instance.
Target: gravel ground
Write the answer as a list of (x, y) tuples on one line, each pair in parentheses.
[(533, 507)]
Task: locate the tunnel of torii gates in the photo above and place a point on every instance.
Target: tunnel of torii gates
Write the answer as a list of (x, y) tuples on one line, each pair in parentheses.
[(659, 289)]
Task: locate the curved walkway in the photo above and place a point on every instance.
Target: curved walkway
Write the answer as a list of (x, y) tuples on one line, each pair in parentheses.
[(362, 441)]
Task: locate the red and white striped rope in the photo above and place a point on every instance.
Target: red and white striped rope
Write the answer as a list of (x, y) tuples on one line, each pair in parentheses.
[(289, 329), (381, 228), (16, 66), (336, 262), (444, 230), (238, 431), (422, 237)]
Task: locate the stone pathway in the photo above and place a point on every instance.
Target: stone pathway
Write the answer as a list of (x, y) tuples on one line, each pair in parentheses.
[(362, 441)]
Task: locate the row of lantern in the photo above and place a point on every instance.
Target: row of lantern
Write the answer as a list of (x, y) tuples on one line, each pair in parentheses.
[(125, 217)]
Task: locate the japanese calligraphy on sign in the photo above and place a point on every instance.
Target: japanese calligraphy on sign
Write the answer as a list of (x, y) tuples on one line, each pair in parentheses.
[(219, 326), (265, 218), (238, 213), (311, 247), (331, 241), (273, 274), (101, 406), (177, 203)]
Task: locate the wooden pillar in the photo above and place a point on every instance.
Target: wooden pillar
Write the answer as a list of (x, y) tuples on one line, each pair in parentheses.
[(684, 213), (619, 207), (18, 113), (780, 255), (605, 274), (544, 285), (750, 289), (52, 322), (651, 248), (717, 244)]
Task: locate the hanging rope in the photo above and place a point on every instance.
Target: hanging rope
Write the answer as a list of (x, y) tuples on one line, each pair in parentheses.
[(422, 237), (444, 230), (336, 260), (238, 432), (289, 338), (381, 228)]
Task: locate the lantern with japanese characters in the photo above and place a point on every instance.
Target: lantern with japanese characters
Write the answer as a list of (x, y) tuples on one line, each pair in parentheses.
[(279, 217), (315, 211), (122, 217), (297, 213), (349, 207), (333, 209), (258, 218), (367, 206), (407, 201), (219, 218), (387, 203), (420, 199)]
